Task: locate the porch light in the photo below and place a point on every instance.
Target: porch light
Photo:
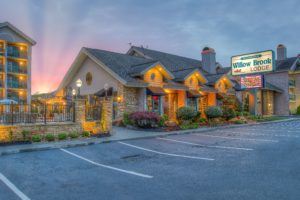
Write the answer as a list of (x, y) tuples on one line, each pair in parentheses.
[(119, 99), (73, 92), (21, 48), (78, 83), (20, 93), (160, 69), (21, 63), (106, 87)]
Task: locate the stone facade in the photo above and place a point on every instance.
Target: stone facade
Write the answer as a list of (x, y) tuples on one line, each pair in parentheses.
[(129, 100), (281, 100)]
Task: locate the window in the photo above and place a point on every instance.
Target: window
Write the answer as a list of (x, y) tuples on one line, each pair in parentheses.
[(152, 76), (89, 78), (192, 102), (153, 103)]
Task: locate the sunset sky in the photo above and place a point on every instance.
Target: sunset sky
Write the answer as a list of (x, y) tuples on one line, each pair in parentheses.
[(62, 27)]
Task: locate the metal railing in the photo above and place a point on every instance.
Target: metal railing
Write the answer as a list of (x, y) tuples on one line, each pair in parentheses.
[(292, 83), (93, 112), (29, 114)]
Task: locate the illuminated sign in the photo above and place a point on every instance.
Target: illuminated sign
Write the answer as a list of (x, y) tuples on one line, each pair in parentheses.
[(253, 63), (254, 81)]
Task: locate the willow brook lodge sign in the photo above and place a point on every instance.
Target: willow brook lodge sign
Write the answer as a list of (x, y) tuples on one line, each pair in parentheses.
[(258, 62)]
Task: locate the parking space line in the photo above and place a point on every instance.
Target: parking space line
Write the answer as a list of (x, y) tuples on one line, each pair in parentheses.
[(209, 146), (106, 166), (237, 138), (166, 154), (11, 186), (261, 134)]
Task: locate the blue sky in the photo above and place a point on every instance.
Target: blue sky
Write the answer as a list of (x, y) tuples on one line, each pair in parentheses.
[(184, 27)]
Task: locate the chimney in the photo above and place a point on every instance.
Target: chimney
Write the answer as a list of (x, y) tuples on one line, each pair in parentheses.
[(209, 60), (281, 52)]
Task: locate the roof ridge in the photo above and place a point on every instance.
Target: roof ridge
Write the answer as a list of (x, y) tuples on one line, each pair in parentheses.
[(150, 61), (166, 53)]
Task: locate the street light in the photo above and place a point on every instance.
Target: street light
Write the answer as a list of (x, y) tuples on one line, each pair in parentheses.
[(106, 88), (78, 84)]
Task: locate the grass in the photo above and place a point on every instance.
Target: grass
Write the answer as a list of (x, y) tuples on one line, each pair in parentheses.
[(270, 118)]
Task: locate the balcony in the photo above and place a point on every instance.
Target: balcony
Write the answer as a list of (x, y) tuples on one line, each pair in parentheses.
[(17, 70), (17, 52), (16, 85), (292, 97), (292, 83)]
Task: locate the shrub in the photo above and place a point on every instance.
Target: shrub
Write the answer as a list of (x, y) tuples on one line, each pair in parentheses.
[(229, 113), (145, 119), (85, 134), (126, 120), (213, 112), (36, 138), (189, 126), (187, 114), (10, 136), (298, 110), (62, 136), (163, 119), (25, 135), (73, 135), (50, 137), (239, 121)]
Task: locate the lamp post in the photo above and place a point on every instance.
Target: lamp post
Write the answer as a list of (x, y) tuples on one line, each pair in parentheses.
[(78, 84), (106, 89), (73, 94)]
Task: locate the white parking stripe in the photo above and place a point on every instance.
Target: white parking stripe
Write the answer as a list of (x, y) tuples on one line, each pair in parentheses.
[(11, 186), (166, 154), (210, 146), (106, 166), (262, 134), (237, 138)]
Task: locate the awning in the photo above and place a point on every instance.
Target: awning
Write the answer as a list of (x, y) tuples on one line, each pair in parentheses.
[(101, 93), (158, 91), (193, 94), (205, 88), (271, 87)]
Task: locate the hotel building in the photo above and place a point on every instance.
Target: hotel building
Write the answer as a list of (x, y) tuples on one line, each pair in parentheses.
[(15, 64)]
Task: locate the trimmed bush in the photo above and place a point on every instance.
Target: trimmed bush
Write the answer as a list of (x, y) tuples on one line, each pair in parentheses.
[(163, 120), (50, 137), (62, 136), (213, 112), (126, 120), (298, 110), (85, 134), (229, 113), (187, 114), (239, 121), (36, 138), (145, 119), (73, 135), (26, 135)]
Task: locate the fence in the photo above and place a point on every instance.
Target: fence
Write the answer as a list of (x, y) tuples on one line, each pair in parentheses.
[(26, 114), (93, 112)]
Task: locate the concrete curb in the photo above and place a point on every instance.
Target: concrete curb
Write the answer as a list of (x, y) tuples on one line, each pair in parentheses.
[(85, 142)]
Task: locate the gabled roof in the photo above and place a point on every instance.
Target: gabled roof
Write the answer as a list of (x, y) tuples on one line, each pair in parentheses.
[(19, 32), (213, 78), (223, 70), (120, 64), (184, 74), (285, 65), (141, 69), (170, 61)]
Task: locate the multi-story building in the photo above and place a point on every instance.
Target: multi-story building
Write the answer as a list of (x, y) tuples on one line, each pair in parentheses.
[(15, 64)]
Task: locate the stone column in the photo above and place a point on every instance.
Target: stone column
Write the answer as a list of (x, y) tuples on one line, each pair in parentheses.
[(80, 111), (106, 115)]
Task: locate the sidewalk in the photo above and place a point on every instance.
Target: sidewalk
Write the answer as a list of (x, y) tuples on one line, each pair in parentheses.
[(118, 134)]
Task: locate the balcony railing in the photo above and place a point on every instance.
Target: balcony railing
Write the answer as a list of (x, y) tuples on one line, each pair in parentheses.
[(292, 97), (17, 85), (292, 83), (16, 53), (17, 70)]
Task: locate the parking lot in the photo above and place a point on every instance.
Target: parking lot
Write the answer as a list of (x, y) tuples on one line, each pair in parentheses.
[(252, 162)]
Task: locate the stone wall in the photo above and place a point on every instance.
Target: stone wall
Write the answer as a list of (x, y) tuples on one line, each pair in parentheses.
[(14, 132)]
